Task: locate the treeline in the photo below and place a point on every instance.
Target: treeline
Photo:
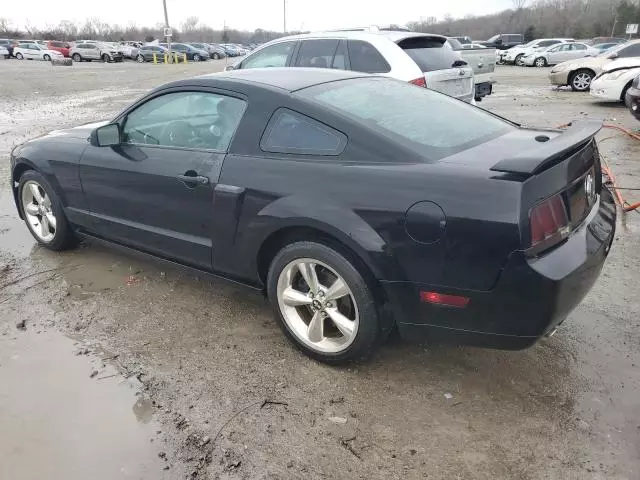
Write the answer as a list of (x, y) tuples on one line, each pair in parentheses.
[(543, 18), (95, 29)]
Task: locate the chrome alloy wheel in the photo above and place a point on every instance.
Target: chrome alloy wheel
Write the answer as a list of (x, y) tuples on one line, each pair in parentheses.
[(582, 81), (317, 305), (39, 211)]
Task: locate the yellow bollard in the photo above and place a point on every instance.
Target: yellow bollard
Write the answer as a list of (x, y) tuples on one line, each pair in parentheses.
[(155, 58), (176, 58), (166, 58), (184, 59)]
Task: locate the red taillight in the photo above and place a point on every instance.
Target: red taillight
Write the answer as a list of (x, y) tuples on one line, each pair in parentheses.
[(549, 221), (441, 299), (420, 82)]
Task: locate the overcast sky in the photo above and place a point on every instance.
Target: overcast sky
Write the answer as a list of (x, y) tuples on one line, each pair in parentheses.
[(247, 14)]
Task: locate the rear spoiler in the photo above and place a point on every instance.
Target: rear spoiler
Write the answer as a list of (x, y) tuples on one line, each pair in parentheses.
[(537, 159)]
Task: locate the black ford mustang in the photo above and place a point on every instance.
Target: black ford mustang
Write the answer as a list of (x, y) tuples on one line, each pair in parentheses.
[(356, 202)]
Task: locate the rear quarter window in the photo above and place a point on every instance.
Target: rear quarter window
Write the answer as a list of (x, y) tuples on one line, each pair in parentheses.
[(292, 132), (429, 53), (432, 124), (366, 58)]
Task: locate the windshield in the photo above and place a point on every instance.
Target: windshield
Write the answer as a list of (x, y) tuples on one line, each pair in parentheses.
[(606, 53), (527, 45), (430, 123), (455, 43), (494, 38)]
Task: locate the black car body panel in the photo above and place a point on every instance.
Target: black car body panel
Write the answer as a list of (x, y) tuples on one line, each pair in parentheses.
[(454, 225)]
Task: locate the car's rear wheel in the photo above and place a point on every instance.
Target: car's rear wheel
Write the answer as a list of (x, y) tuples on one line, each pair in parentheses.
[(216, 56), (19, 56), (140, 59), (540, 62), (196, 58), (105, 58), (323, 302), (580, 80), (43, 213), (46, 58), (76, 57)]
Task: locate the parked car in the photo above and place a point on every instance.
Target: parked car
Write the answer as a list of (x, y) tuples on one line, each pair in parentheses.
[(483, 62), (338, 193), (632, 98), (4, 53), (515, 55), (559, 53), (9, 45), (603, 47), (231, 50), (195, 54), (128, 50), (580, 73), (615, 80), (81, 52), (216, 51), (503, 41), (422, 59), (146, 52), (464, 40), (62, 47), (33, 51)]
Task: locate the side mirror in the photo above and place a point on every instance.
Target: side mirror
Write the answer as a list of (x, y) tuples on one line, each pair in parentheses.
[(613, 56), (106, 136)]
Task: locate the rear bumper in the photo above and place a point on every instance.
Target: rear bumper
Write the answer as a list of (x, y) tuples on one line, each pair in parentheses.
[(531, 298), (559, 78)]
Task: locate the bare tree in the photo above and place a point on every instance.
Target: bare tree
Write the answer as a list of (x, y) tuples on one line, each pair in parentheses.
[(189, 24), (519, 4)]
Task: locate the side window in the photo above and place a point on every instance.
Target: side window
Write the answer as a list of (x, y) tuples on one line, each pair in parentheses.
[(364, 57), (565, 47), (316, 53), (548, 43), (199, 120), (513, 38), (273, 56), (292, 132), (578, 46), (630, 51)]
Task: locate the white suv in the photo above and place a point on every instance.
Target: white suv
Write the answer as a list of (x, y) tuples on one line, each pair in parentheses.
[(422, 59), (515, 55)]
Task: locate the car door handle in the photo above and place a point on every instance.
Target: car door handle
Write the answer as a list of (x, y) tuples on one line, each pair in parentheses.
[(191, 179)]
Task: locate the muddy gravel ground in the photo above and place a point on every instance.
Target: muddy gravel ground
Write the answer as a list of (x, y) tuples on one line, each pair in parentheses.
[(127, 369)]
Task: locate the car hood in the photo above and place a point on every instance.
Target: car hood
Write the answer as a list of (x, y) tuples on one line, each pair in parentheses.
[(622, 63), (80, 132), (596, 63)]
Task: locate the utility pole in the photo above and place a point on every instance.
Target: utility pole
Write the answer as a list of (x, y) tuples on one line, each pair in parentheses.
[(284, 16), (166, 25)]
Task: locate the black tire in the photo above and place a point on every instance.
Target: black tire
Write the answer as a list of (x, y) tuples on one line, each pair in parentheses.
[(76, 57), (368, 334), (64, 237), (196, 58), (574, 75), (542, 63), (516, 61), (106, 58), (46, 58), (216, 56), (140, 58), (19, 56), (625, 90)]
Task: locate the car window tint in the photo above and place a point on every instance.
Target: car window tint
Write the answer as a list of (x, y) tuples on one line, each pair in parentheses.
[(429, 53), (430, 123), (340, 58), (292, 132), (630, 51), (364, 57), (316, 53), (578, 46), (272, 56), (185, 119), (547, 43)]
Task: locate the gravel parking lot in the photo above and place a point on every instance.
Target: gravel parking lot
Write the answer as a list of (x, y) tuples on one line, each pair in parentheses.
[(213, 388)]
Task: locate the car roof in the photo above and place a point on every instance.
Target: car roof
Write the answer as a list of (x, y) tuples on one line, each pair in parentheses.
[(394, 36), (283, 78)]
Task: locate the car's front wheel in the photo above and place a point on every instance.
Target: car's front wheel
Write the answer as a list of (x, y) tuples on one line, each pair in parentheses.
[(196, 58), (46, 58), (106, 58), (140, 59), (580, 81), (518, 60), (216, 56), (43, 213), (323, 302)]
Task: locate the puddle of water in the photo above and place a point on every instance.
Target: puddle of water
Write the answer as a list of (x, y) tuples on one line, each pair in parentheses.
[(60, 424)]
